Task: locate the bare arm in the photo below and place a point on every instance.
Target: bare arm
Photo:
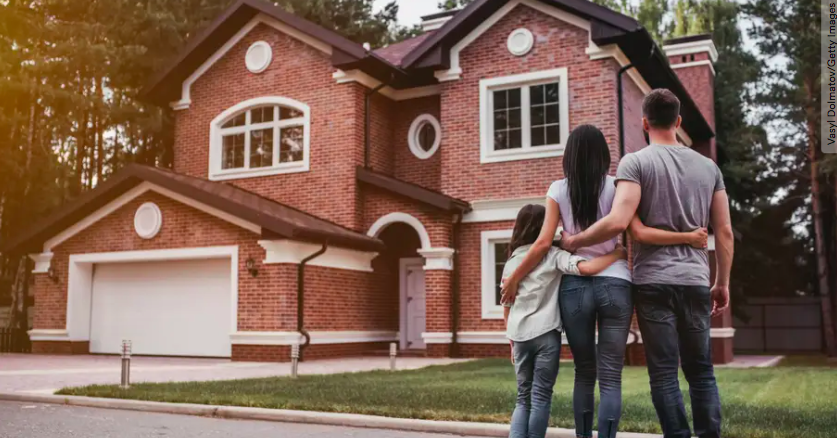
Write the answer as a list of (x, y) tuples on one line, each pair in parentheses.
[(599, 264), (625, 203), (536, 253), (654, 236), (724, 248)]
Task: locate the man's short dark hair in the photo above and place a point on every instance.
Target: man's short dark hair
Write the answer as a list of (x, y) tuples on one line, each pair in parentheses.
[(661, 107)]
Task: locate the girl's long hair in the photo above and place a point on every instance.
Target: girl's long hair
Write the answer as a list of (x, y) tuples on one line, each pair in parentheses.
[(586, 163), (527, 226)]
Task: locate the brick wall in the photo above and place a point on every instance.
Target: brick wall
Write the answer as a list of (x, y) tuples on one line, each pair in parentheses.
[(700, 83), (426, 173), (300, 72), (592, 94)]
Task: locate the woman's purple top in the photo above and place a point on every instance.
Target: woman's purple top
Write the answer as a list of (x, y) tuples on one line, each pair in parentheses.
[(560, 193)]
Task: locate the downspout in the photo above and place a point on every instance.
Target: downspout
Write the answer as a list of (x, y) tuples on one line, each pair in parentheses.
[(368, 119), (620, 98), (300, 298), (455, 288)]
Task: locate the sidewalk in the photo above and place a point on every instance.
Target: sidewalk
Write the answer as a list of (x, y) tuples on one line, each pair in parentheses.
[(300, 417), (36, 374)]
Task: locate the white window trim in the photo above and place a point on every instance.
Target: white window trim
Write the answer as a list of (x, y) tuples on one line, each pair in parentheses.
[(412, 136), (256, 69), (490, 310), (216, 140), (523, 81)]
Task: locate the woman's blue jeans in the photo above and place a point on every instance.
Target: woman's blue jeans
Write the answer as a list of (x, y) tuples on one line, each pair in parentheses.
[(536, 363), (585, 303)]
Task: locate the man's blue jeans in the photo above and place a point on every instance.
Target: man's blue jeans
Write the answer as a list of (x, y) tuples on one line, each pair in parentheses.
[(536, 362), (675, 325), (585, 303)]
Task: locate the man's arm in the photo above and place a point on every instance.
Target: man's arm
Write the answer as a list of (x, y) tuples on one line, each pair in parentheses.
[(625, 203), (724, 248)]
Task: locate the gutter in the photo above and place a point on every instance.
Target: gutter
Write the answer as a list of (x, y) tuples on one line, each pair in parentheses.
[(300, 298)]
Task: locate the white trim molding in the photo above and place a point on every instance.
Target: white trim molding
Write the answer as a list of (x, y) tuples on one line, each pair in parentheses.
[(146, 212), (217, 132), (80, 282), (520, 42), (437, 338), (490, 308), (702, 46), (293, 252), (406, 218), (435, 23), (497, 210), (523, 81), (186, 89), (721, 332), (413, 139), (705, 62), (437, 259), (42, 262), (48, 335), (347, 77), (132, 194), (317, 337)]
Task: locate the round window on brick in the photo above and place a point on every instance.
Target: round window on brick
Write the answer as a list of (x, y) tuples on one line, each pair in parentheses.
[(520, 42), (258, 57), (425, 136), (148, 220)]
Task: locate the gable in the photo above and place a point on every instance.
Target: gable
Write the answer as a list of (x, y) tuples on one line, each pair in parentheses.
[(258, 23)]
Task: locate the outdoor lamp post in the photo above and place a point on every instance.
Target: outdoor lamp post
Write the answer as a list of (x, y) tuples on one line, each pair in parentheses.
[(294, 360), (393, 351), (126, 364)]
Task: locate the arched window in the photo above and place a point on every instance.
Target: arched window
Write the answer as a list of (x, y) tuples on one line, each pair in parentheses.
[(259, 137)]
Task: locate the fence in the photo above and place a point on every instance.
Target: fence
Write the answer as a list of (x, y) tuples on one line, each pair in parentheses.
[(14, 341), (779, 325)]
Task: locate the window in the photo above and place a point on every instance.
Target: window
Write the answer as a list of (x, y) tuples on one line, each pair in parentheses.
[(524, 116), (425, 136), (495, 249), (260, 137)]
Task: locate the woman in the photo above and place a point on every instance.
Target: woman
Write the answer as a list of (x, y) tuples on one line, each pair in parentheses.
[(583, 197)]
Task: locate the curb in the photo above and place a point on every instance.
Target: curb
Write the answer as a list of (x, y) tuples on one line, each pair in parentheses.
[(288, 416)]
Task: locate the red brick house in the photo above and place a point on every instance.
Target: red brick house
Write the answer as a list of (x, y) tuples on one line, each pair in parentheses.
[(343, 199)]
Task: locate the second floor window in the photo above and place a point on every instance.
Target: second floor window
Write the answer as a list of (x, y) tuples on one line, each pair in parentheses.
[(524, 116), (260, 137)]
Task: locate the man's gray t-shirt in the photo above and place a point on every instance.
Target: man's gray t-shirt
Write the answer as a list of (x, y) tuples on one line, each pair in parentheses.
[(677, 189)]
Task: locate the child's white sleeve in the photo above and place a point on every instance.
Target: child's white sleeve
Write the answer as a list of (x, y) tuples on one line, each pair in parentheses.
[(566, 262)]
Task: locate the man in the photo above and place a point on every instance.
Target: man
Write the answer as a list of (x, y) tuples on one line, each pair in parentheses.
[(674, 188)]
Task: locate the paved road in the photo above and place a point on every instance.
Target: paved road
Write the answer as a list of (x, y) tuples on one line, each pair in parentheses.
[(21, 420)]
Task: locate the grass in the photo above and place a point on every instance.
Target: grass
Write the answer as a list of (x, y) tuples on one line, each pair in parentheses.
[(758, 403), (808, 361)]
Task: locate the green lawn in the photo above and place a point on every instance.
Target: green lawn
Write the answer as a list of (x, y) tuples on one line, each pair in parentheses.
[(760, 403)]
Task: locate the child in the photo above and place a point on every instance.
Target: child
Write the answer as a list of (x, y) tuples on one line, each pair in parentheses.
[(534, 323)]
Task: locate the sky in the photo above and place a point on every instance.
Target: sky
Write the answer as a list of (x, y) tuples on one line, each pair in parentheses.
[(411, 11)]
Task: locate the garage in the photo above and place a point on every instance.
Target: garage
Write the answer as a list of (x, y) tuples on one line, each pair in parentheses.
[(166, 308)]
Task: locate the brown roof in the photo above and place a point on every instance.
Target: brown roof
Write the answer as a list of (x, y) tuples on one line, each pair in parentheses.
[(412, 191), (395, 53), (276, 220)]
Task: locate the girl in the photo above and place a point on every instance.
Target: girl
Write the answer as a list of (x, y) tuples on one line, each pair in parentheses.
[(584, 197), (534, 322)]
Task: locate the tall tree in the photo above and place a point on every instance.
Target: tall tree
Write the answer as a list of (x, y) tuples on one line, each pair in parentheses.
[(788, 31)]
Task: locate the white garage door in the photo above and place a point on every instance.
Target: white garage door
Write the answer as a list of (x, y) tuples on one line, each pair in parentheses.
[(172, 308)]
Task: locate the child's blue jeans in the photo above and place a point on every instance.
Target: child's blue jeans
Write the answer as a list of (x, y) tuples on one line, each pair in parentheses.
[(536, 362)]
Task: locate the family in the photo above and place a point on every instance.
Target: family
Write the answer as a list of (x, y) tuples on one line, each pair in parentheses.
[(665, 196)]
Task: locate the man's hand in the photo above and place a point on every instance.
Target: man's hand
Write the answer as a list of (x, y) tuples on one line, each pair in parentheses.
[(509, 289), (621, 252), (720, 299), (568, 242), (512, 351), (699, 238)]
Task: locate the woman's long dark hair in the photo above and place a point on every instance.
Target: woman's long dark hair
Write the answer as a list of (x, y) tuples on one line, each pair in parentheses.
[(527, 226), (586, 163)]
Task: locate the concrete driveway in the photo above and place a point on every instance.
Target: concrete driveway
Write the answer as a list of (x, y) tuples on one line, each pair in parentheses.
[(46, 374)]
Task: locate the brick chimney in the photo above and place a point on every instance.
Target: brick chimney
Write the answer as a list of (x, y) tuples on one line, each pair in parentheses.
[(692, 58)]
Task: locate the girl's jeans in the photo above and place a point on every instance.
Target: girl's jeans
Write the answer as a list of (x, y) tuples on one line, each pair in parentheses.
[(536, 363), (585, 303)]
